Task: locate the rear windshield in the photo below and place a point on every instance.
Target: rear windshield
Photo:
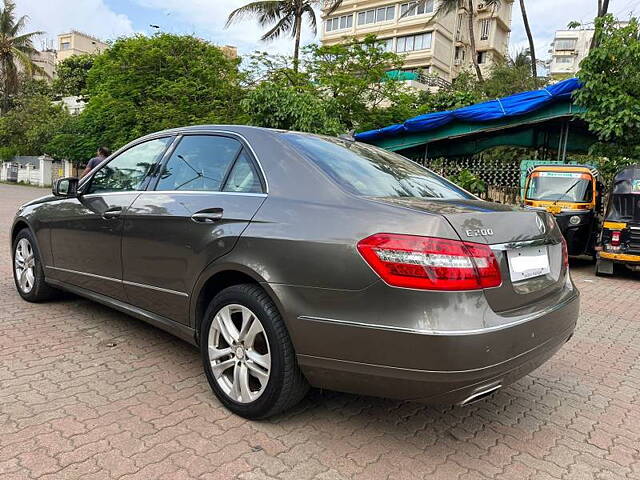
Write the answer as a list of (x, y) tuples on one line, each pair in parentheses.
[(372, 172)]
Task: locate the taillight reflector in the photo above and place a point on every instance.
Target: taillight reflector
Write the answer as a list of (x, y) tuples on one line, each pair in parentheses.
[(430, 263), (565, 253), (615, 239)]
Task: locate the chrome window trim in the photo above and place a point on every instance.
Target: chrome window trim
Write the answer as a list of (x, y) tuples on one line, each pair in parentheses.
[(104, 194), (125, 282), (201, 192)]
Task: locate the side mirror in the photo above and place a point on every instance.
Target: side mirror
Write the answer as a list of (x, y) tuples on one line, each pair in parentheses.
[(65, 187)]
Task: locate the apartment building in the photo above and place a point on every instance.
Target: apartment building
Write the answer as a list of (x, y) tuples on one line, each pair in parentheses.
[(437, 45), (230, 51), (568, 49), (78, 43), (46, 60)]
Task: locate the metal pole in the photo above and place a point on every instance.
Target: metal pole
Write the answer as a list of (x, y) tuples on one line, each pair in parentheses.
[(564, 146), (560, 141)]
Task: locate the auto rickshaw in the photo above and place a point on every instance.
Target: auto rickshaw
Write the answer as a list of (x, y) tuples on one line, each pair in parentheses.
[(619, 241), (573, 194)]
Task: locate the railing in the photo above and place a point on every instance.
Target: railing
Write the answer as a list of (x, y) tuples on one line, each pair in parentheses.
[(433, 81)]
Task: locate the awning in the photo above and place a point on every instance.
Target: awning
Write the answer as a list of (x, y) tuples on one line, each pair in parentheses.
[(491, 111)]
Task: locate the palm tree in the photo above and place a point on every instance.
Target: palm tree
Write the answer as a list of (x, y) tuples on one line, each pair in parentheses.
[(284, 17), (16, 50), (522, 59), (532, 47), (447, 6), (603, 9)]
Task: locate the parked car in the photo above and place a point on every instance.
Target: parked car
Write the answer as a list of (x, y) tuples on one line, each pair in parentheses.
[(294, 260)]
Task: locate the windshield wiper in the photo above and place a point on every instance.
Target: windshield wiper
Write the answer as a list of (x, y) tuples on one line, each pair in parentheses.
[(568, 190)]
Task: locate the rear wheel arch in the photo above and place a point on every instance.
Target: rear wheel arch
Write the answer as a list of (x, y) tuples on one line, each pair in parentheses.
[(218, 281)]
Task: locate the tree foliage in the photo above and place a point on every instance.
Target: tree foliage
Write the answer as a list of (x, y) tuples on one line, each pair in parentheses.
[(71, 75), (611, 85), (16, 50), (339, 87), (31, 124), (144, 84), (283, 106), (352, 78)]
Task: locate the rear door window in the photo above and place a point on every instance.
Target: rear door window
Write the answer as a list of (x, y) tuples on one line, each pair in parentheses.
[(199, 163), (243, 177)]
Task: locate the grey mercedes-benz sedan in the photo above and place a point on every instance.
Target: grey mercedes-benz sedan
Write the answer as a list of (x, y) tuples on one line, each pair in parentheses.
[(293, 260)]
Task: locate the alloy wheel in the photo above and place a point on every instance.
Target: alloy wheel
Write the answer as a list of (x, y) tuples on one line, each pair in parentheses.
[(24, 260), (239, 353)]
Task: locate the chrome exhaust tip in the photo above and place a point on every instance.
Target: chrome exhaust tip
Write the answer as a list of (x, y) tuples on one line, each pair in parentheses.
[(480, 394)]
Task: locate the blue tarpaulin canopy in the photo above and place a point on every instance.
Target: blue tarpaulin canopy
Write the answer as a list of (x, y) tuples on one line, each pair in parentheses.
[(502, 108)]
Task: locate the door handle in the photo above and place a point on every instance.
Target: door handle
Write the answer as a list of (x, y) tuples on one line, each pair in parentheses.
[(111, 213), (210, 215)]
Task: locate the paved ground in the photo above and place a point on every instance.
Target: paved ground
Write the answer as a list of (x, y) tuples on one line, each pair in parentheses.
[(86, 392)]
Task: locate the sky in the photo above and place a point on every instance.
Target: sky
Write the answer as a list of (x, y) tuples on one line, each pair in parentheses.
[(109, 19)]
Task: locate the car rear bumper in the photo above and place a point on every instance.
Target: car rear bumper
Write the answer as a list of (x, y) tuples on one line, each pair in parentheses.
[(445, 368)]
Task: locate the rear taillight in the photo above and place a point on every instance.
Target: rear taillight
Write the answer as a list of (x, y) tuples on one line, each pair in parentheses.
[(430, 263), (565, 253), (615, 239)]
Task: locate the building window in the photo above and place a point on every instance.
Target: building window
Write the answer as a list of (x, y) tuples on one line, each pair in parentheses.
[(459, 55), (376, 15), (413, 42), (564, 59), (459, 28), (482, 57), (339, 23), (566, 43), (386, 44), (410, 9), (484, 28), (65, 45)]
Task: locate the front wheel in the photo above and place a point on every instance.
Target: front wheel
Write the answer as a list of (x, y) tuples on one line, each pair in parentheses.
[(28, 272), (247, 354)]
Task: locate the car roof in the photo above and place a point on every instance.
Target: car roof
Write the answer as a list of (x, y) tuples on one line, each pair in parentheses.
[(228, 128)]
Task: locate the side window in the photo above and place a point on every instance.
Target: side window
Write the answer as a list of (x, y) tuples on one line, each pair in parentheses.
[(128, 170), (200, 162), (243, 177)]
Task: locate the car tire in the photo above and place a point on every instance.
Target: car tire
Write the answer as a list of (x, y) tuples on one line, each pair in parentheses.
[(28, 271), (237, 353)]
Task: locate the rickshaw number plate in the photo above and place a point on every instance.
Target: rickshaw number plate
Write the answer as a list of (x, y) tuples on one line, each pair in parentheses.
[(528, 262)]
